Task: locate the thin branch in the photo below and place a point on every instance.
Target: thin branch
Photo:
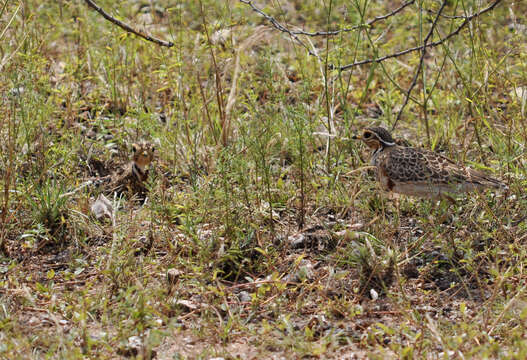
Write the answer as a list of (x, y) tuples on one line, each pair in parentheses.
[(127, 27), (430, 45), (420, 66), (219, 88), (356, 27), (294, 34), (234, 82), (446, 16), (278, 26), (82, 186)]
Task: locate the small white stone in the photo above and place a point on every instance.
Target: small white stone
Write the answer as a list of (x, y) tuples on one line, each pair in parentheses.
[(374, 295)]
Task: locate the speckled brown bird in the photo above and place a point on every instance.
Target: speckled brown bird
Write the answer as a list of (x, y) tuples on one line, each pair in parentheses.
[(132, 177), (420, 172)]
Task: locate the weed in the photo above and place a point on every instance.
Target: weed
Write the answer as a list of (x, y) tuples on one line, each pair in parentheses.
[(49, 208)]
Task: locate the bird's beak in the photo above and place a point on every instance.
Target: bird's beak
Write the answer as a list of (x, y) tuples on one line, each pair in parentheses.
[(356, 137)]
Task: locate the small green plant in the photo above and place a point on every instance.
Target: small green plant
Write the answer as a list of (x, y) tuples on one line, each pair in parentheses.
[(48, 205), (376, 263)]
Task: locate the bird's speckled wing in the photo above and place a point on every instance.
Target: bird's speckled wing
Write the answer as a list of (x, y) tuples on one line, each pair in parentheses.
[(411, 165)]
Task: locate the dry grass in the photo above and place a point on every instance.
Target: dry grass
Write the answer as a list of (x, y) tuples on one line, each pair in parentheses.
[(274, 235)]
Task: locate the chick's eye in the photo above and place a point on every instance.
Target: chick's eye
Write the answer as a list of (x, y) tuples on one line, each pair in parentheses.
[(367, 135)]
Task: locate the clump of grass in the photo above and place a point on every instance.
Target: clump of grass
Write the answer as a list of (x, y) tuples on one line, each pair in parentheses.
[(240, 258), (49, 209), (375, 262)]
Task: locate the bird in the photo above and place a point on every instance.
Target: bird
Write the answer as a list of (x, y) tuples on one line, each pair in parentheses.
[(419, 172), (134, 175), (131, 177)]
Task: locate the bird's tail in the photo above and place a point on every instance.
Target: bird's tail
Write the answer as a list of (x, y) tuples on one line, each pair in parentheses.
[(484, 180)]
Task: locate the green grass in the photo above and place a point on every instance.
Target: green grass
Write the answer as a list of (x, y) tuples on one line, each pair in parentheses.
[(244, 165)]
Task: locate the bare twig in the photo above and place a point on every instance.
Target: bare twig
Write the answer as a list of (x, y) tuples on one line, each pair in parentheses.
[(282, 28), (430, 45), (294, 33), (326, 90), (74, 191), (234, 84), (224, 121), (207, 113), (446, 16), (279, 26), (355, 27), (420, 66), (127, 27), (10, 20)]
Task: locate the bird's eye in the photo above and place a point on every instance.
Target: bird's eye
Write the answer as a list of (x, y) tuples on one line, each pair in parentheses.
[(367, 135)]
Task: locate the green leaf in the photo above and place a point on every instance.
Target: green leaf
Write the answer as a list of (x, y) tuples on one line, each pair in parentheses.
[(50, 274)]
